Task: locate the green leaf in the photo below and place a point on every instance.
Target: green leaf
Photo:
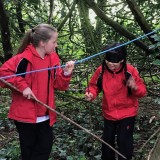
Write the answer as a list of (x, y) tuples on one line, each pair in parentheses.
[(156, 62)]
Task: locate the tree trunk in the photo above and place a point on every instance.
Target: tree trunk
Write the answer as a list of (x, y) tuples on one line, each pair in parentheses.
[(5, 33), (100, 27), (87, 28), (19, 17), (50, 12)]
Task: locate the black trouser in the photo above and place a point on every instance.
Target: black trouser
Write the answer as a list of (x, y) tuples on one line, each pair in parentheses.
[(35, 140), (124, 129)]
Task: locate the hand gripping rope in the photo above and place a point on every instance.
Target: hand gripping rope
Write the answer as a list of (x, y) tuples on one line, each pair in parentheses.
[(66, 118)]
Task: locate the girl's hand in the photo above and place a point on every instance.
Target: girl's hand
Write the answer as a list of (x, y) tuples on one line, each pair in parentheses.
[(131, 83), (28, 93), (88, 96), (69, 67)]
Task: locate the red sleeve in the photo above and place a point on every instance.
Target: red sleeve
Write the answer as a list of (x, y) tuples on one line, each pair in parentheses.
[(92, 86), (8, 71), (61, 82)]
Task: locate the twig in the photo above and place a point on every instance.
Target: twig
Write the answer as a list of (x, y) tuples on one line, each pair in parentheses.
[(2, 137), (150, 138), (150, 153)]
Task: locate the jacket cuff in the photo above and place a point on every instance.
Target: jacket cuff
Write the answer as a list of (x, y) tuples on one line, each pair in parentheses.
[(67, 74), (22, 88)]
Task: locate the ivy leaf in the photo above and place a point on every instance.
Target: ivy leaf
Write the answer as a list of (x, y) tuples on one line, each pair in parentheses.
[(156, 62)]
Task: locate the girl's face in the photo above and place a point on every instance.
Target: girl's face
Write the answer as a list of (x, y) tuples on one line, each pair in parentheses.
[(113, 66), (51, 44)]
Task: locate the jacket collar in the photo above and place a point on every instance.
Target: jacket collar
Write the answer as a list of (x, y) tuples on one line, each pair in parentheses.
[(28, 53), (118, 71)]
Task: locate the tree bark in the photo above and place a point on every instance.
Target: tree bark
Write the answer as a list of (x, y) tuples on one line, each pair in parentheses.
[(87, 28), (19, 16), (51, 12), (5, 33), (99, 30), (117, 27)]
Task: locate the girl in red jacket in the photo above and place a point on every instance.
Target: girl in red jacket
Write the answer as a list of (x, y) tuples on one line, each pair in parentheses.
[(33, 121), (121, 86)]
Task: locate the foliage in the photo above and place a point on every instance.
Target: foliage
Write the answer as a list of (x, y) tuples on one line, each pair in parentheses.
[(156, 47), (4, 106), (11, 152), (71, 142), (83, 34)]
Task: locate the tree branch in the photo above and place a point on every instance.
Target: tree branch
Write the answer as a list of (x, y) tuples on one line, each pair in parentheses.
[(140, 18), (19, 16), (67, 16), (5, 33), (116, 26)]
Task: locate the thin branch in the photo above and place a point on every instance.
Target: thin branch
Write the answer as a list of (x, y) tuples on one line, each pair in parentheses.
[(154, 134), (51, 11), (67, 16)]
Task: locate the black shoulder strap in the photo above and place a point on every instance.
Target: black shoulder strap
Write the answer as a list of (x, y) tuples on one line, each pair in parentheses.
[(128, 75), (22, 67), (99, 82), (100, 79)]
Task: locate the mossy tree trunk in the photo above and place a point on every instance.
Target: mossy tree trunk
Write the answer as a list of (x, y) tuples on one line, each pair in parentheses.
[(5, 34)]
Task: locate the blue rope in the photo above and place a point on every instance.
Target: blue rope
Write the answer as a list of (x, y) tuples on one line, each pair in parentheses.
[(85, 59), (124, 44)]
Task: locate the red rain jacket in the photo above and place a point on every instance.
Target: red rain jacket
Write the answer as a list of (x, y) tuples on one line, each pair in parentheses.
[(23, 109), (117, 103)]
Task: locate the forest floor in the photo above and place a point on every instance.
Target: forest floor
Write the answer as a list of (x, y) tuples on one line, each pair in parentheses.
[(147, 128), (147, 125)]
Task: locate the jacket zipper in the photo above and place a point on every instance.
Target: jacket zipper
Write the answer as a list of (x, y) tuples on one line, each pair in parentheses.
[(115, 97)]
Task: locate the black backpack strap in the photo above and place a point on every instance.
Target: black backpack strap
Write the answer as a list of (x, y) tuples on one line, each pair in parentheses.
[(128, 75), (99, 82)]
